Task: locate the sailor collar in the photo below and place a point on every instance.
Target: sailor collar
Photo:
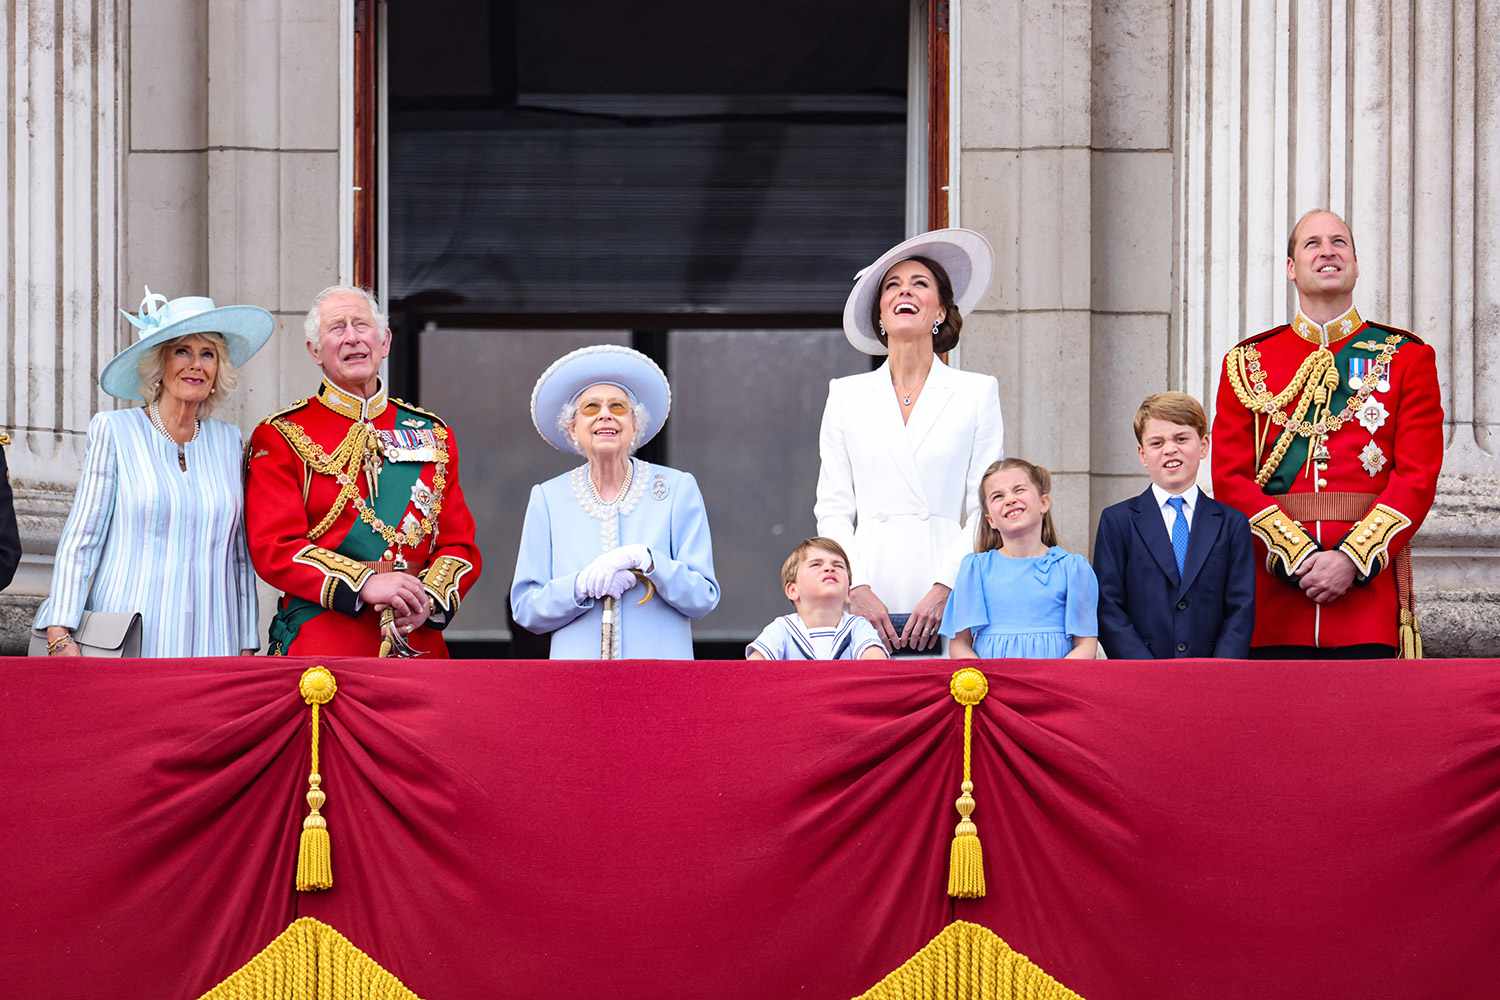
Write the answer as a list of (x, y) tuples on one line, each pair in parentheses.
[(1329, 333), (346, 404)]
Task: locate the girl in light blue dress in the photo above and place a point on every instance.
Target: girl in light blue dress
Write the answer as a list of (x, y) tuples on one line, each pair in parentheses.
[(1019, 595)]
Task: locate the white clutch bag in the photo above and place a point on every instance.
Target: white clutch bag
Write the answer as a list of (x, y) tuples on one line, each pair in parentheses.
[(115, 633)]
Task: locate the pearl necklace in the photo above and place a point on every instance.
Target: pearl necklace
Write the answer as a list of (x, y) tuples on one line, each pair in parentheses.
[(624, 487), (154, 415)]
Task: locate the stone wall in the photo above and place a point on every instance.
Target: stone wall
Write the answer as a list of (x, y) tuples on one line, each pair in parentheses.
[(1386, 113), (189, 146), (1138, 164)]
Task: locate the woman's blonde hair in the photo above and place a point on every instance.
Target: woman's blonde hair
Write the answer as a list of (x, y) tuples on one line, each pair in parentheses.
[(989, 537), (153, 368)]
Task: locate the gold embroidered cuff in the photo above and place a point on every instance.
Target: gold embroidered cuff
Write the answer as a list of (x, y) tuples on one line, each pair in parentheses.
[(1368, 542), (1286, 542), (441, 580), (337, 569)]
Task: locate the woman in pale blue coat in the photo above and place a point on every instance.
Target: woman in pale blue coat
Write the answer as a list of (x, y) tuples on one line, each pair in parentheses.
[(614, 527), (157, 525)]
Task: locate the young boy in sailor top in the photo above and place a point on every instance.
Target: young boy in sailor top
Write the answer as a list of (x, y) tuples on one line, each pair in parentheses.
[(815, 578)]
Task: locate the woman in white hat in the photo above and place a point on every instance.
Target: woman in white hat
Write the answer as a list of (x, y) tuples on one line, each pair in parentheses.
[(614, 527), (157, 525), (903, 446)]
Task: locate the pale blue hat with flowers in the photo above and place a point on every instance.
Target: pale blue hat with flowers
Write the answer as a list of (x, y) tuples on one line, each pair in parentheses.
[(245, 330), (611, 364)]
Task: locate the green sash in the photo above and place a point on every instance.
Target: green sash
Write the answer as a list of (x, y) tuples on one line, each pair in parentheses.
[(1295, 460), (362, 542)]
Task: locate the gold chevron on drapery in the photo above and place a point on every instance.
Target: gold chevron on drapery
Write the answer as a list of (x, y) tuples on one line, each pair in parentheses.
[(968, 962), (311, 961)]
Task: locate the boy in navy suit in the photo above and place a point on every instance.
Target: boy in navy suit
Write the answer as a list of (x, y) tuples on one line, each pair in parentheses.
[(1176, 570)]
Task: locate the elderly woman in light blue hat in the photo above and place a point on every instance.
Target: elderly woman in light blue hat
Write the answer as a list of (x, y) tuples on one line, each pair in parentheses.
[(157, 526), (615, 530)]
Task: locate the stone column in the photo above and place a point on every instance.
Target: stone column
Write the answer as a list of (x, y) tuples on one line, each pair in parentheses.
[(59, 199), (1382, 113), (1133, 238), (1024, 181), (210, 165)]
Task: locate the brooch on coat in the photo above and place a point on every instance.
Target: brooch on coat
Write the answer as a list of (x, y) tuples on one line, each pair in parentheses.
[(659, 488)]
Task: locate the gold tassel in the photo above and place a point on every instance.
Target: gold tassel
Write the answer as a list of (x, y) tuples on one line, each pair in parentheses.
[(1410, 637), (315, 850), (966, 856), (311, 961), (965, 961)]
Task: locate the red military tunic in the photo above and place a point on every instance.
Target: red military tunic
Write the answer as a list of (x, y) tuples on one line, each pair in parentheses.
[(339, 487), (1373, 445)]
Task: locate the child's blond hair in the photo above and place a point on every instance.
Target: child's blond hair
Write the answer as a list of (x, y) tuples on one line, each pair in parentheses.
[(989, 537), (1174, 408), (794, 561)]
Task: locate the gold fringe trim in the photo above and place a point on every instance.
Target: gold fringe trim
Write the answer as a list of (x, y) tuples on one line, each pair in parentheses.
[(314, 849), (310, 961), (965, 854), (968, 962)]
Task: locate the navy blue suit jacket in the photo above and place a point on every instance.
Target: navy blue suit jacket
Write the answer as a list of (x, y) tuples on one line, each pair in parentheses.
[(1146, 612)]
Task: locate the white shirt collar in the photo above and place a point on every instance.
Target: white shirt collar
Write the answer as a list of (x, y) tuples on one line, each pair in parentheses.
[(1189, 496)]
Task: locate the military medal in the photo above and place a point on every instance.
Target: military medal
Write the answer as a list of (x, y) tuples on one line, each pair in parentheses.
[(1320, 451), (1358, 369), (1372, 458)]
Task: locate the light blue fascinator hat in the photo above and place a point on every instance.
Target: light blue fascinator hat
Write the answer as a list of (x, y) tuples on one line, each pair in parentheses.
[(966, 255), (244, 328), (610, 364)]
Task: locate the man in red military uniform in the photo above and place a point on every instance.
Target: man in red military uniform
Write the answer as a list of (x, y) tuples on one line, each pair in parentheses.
[(352, 503), (1328, 435)]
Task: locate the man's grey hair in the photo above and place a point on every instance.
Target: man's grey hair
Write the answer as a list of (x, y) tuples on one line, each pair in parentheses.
[(315, 319), (569, 413)]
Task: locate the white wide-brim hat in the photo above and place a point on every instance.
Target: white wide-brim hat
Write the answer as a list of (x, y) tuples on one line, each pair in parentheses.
[(245, 330), (641, 378), (966, 255)]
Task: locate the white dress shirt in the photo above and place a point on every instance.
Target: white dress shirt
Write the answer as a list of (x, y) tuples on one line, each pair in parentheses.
[(1168, 515)]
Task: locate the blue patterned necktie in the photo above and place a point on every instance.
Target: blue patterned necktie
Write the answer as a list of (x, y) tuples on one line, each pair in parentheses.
[(1179, 533)]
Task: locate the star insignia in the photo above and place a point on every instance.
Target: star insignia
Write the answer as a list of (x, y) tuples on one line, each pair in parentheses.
[(1372, 458), (1372, 415)]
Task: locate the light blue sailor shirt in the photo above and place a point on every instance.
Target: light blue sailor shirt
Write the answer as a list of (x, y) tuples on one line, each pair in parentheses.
[(789, 638)]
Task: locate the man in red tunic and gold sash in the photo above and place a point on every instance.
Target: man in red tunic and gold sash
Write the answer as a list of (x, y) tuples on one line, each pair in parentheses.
[(352, 503), (1328, 435)]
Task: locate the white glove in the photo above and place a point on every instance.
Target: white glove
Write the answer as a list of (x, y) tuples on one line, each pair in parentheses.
[(598, 578), (622, 581)]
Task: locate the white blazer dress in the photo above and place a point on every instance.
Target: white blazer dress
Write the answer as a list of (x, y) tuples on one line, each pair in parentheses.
[(902, 498)]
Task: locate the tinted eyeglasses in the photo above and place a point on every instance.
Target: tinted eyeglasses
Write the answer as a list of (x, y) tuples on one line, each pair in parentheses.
[(592, 408)]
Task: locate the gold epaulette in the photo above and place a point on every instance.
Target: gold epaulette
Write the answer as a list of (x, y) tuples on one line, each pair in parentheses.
[(1286, 541), (1253, 338), (1396, 329), (1369, 540), (292, 408), (4, 439), (417, 409)]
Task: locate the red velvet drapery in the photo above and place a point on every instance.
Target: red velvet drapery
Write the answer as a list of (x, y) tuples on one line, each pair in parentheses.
[(757, 830)]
